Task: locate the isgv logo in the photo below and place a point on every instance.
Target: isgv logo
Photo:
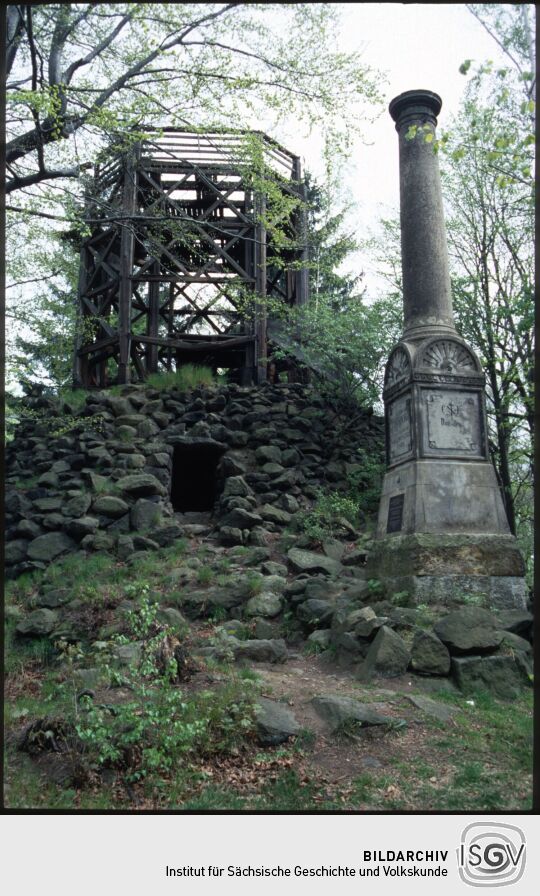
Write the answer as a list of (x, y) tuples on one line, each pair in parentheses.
[(491, 854)]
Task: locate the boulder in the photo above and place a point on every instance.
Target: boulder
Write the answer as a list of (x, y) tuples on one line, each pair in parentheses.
[(357, 557), (140, 485), (519, 622), (289, 503), (388, 655), (502, 676), (236, 485), (270, 568), (125, 547), (147, 429), (515, 642), (86, 525), (38, 623), (320, 638), (264, 629), (78, 505), (274, 515), (261, 651), (48, 505), (249, 556), (239, 518), (231, 466), (268, 454), (15, 551), (230, 535), (317, 588), (166, 535), (52, 544), (172, 617), (337, 711), (119, 406), (429, 655), (53, 521), (110, 506), (28, 529), (54, 598), (145, 514), (308, 561), (333, 548), (469, 630), (365, 622), (142, 543), (134, 461), (276, 584), (202, 602), (315, 613), (275, 723), (48, 480), (264, 604), (259, 537), (128, 654), (441, 711), (101, 541)]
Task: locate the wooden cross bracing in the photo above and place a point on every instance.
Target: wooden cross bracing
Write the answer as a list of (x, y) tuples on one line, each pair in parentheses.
[(179, 264)]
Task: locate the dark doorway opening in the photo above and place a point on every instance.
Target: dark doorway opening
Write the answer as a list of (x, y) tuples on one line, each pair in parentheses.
[(194, 477)]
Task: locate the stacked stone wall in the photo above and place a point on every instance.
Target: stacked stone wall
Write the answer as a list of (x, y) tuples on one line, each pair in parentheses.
[(99, 478)]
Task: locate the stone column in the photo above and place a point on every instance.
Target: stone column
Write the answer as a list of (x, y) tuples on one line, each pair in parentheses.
[(427, 297), (442, 529)]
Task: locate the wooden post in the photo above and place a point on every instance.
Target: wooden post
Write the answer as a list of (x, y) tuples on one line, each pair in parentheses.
[(260, 289), (248, 323), (302, 275), (79, 375), (152, 325), (126, 266), (170, 325)]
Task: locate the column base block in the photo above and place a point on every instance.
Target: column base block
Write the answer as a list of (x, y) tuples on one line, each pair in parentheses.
[(443, 569)]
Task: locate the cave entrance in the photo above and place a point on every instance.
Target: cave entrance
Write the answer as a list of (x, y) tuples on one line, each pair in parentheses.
[(194, 477)]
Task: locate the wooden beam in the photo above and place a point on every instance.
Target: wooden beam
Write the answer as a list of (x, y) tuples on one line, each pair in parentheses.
[(97, 345), (126, 266), (191, 343)]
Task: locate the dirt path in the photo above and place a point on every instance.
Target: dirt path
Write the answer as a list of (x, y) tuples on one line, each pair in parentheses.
[(339, 759)]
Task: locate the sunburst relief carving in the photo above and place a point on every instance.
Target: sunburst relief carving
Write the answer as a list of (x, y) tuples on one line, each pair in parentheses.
[(399, 367), (448, 356)]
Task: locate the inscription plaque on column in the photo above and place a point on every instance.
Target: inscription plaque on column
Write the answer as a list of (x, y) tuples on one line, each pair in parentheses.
[(452, 423), (395, 514), (399, 429)]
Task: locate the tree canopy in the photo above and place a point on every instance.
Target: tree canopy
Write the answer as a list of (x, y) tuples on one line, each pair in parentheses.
[(82, 76), (77, 71)]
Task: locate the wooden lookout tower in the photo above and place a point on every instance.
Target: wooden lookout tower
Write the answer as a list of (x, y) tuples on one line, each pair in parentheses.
[(179, 265)]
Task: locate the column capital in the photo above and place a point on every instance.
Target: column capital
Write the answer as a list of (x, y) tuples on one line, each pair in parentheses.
[(413, 105)]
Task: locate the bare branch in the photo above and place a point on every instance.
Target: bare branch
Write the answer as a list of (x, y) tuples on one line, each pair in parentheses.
[(28, 211), (106, 42), (27, 180), (493, 35), (15, 27), (33, 280)]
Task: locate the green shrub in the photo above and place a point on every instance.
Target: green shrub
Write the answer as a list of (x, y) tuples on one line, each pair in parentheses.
[(160, 726), (364, 485), (326, 517)]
